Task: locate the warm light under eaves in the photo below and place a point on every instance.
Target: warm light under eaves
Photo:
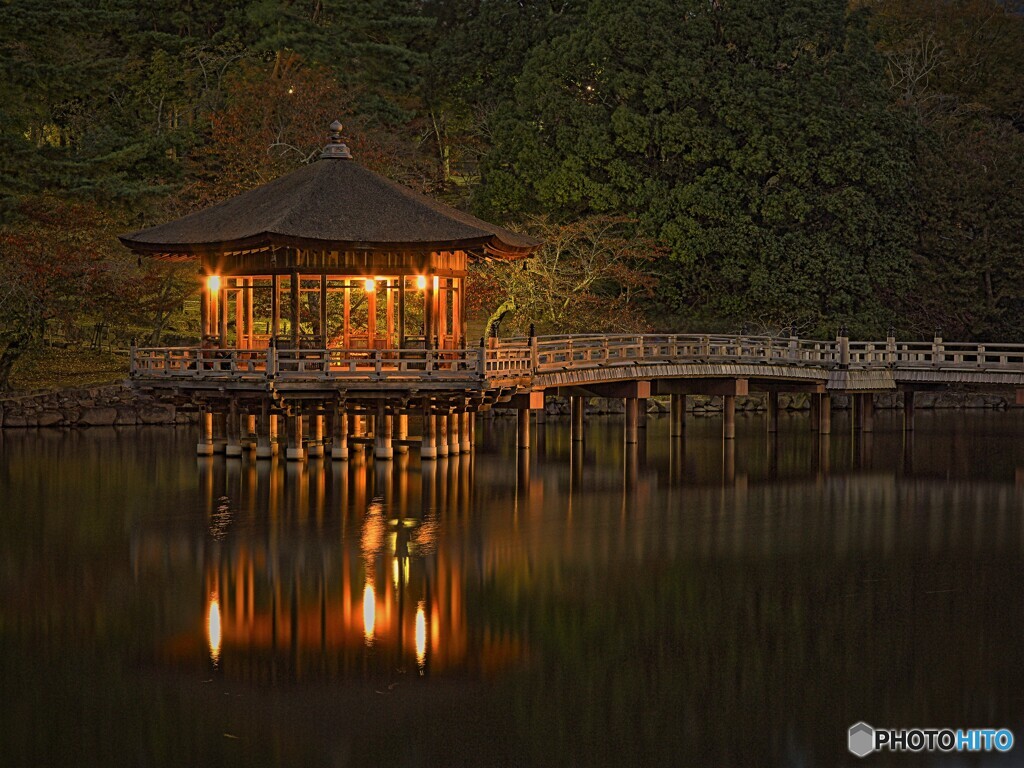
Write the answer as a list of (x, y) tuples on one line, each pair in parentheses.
[(370, 285), (421, 282), (213, 283)]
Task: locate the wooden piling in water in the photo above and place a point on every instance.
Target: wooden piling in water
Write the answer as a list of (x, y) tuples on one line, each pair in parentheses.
[(729, 411)]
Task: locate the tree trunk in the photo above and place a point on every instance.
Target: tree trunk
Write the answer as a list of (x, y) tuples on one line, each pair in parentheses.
[(15, 347)]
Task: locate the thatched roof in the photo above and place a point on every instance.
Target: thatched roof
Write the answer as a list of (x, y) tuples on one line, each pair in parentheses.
[(331, 204)]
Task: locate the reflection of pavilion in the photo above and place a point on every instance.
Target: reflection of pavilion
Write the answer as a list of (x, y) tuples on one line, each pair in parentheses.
[(379, 590)]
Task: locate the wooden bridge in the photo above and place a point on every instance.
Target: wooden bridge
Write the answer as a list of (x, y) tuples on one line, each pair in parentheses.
[(368, 394)]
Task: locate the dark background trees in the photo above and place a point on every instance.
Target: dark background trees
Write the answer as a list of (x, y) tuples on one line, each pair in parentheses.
[(809, 162)]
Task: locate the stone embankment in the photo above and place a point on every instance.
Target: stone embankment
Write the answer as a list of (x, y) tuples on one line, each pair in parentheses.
[(111, 405), (702, 404)]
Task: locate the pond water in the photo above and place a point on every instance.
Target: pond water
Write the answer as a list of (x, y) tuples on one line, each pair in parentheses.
[(688, 603)]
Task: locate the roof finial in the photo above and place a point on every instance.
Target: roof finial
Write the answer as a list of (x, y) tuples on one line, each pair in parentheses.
[(335, 148)]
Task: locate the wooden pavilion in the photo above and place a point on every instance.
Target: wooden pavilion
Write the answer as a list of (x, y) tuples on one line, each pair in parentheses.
[(330, 290)]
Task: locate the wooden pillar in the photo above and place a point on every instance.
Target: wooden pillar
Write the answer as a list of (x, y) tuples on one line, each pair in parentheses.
[(428, 448), (248, 431), (371, 312), (382, 434), (908, 410), (442, 314), (773, 412), (250, 300), (641, 407), (729, 412), (275, 307), (219, 431), (222, 300), (466, 444), (239, 314), (577, 405), (428, 313), (274, 424), (866, 408), (523, 431), (390, 314), (454, 444), (204, 310), (315, 448), (339, 445), (441, 433), (296, 451), (824, 413), (346, 325), (401, 311), (677, 415), (632, 417), (457, 313), (264, 448), (205, 445), (401, 422), (323, 311), (294, 290)]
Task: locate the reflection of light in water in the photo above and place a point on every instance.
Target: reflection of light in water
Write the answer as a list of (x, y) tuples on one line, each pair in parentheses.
[(373, 530), (394, 571), (213, 631), (369, 612), (421, 636)]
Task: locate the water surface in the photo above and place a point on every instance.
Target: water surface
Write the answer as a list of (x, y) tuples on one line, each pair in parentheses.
[(688, 603)]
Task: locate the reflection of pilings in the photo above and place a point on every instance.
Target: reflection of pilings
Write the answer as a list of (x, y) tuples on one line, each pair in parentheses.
[(542, 439), (632, 419), (908, 411), (677, 461), (641, 407), (824, 413), (428, 446), (632, 465), (577, 407), (576, 470), (677, 415), (428, 486), (729, 462), (908, 453), (523, 465), (773, 412), (523, 431), (866, 412), (773, 455), (817, 412), (219, 431), (729, 411), (864, 445), (824, 455)]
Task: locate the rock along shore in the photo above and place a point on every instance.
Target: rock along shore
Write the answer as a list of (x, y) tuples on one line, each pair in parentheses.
[(104, 406)]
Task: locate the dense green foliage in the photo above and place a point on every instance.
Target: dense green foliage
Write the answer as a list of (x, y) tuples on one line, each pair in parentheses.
[(810, 162)]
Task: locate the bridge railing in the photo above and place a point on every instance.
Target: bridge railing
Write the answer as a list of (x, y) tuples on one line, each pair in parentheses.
[(198, 362)]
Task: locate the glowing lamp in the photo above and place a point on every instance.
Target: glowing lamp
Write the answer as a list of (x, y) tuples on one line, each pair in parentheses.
[(370, 285), (213, 628), (421, 282), (437, 282), (213, 283)]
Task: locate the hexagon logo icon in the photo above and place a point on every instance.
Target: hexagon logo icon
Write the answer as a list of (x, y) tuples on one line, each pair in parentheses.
[(861, 739)]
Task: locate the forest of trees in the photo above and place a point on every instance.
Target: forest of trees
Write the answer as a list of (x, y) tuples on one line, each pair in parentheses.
[(694, 164)]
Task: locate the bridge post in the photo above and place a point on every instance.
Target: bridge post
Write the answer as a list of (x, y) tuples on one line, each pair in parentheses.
[(454, 446), (315, 449), (577, 406), (523, 432), (729, 412), (632, 419), (273, 428), (441, 433), (678, 415), (908, 410), (641, 407), (382, 434), (428, 447), (466, 443), (233, 447), (205, 445), (339, 446), (843, 342), (264, 448), (401, 422), (773, 411), (248, 431), (295, 451), (824, 401), (219, 431)]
